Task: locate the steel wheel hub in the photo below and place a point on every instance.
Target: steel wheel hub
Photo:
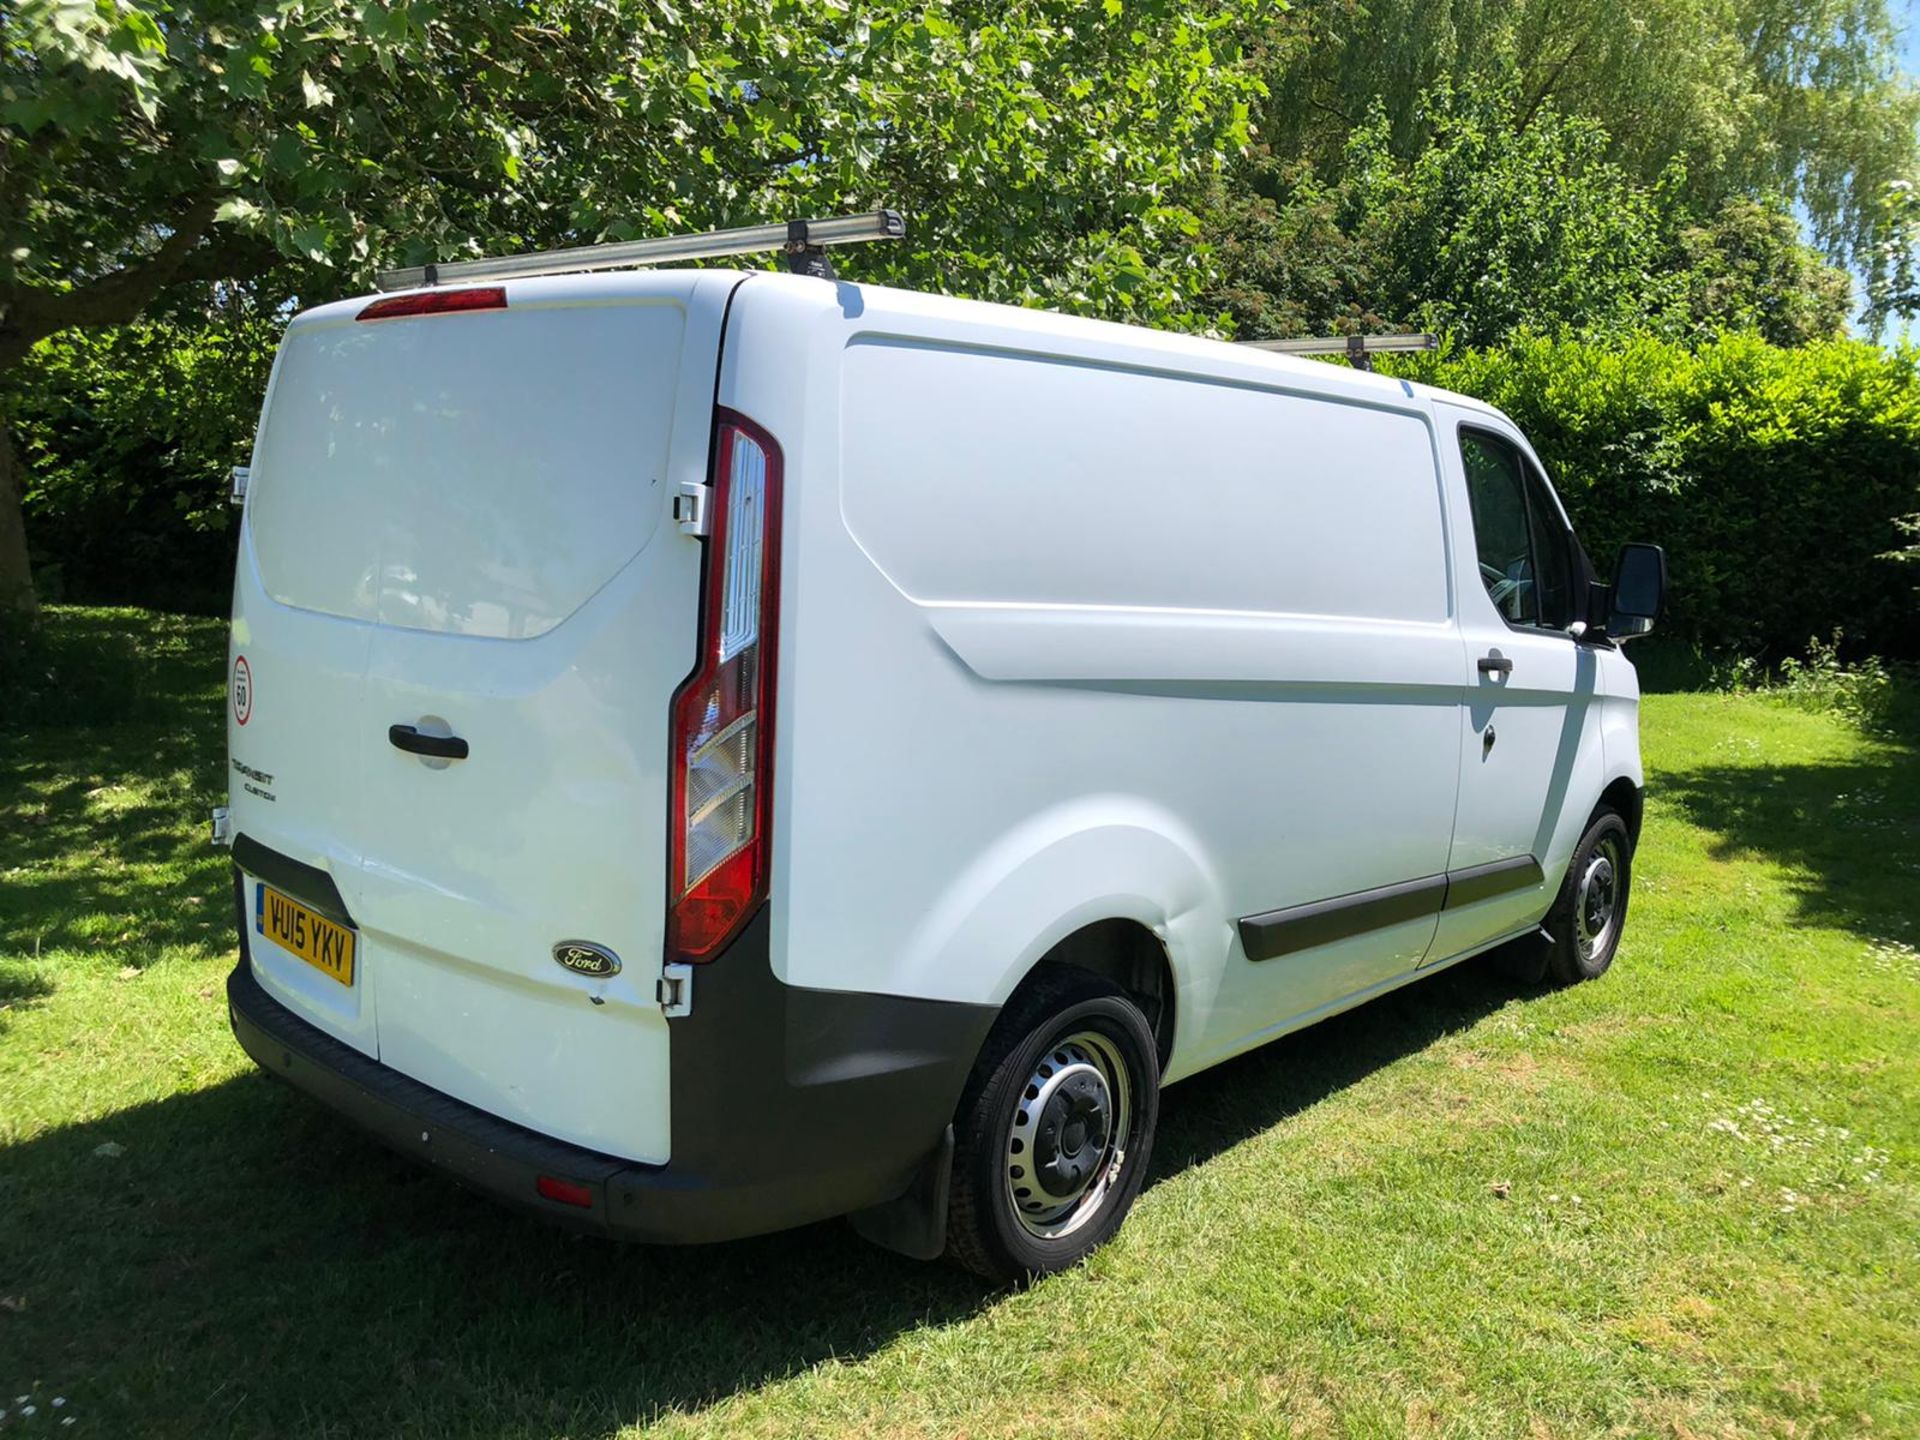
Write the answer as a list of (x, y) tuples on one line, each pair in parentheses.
[(1596, 900), (1072, 1132), (1065, 1145)]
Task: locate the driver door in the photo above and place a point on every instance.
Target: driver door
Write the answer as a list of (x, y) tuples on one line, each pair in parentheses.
[(1528, 685)]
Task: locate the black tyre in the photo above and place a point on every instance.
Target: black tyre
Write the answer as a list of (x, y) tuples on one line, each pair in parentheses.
[(1054, 1129), (1591, 908)]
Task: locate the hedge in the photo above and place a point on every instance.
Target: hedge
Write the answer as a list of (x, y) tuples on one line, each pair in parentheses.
[(1777, 479), (127, 438)]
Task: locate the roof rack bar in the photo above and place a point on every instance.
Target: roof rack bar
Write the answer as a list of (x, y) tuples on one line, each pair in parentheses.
[(1357, 348), (800, 238)]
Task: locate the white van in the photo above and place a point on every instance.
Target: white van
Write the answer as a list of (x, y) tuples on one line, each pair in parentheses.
[(713, 751)]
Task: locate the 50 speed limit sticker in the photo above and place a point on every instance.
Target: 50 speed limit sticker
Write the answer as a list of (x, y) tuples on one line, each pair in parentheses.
[(242, 689)]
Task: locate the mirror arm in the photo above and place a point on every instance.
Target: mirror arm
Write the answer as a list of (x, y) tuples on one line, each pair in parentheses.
[(1599, 607)]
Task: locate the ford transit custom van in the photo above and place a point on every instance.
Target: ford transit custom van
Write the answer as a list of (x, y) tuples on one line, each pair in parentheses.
[(714, 751)]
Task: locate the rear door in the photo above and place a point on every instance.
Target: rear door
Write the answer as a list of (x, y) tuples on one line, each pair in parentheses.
[(1529, 684), (460, 527)]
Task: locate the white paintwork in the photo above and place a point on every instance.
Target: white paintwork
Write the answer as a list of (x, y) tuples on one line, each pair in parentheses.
[(480, 475), (1520, 795), (1078, 622), (1041, 507), (507, 573)]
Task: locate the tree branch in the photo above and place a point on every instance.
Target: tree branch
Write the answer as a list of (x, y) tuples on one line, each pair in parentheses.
[(1345, 119), (1541, 96), (30, 313)]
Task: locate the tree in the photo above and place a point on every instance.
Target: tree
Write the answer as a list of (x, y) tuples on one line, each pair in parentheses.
[(1894, 287), (1746, 268), (1286, 266), (1509, 220), (1499, 226), (1048, 153), (1803, 98)]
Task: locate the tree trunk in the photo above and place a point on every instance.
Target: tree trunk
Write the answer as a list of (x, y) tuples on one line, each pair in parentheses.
[(16, 577)]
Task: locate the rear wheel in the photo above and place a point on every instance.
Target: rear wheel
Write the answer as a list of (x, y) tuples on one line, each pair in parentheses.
[(1054, 1130), (1591, 909)]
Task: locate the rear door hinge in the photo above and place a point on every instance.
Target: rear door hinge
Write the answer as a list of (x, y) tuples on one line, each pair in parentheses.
[(674, 990), (690, 507)]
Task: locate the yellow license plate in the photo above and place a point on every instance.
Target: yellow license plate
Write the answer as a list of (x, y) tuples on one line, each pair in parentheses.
[(320, 942)]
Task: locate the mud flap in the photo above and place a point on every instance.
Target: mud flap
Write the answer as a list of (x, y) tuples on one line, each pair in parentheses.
[(1524, 960), (915, 1225)]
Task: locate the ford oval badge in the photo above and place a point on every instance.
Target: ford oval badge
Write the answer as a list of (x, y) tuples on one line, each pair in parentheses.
[(583, 957)]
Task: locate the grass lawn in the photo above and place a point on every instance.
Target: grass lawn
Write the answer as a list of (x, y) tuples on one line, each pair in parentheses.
[(1683, 1201)]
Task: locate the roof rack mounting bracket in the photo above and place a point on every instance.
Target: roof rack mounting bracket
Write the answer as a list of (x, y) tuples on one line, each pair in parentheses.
[(803, 256)]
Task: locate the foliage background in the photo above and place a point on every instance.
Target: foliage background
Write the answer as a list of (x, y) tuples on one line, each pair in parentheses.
[(1643, 229), (1776, 478), (160, 159), (129, 435)]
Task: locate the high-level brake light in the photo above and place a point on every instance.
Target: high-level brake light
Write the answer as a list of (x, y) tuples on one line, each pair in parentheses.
[(436, 302), (722, 747)]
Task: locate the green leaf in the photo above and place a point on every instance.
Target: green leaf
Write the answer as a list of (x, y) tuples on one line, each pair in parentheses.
[(237, 211)]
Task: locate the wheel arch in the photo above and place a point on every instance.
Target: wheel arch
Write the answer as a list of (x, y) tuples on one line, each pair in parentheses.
[(1629, 799), (1111, 884), (1131, 957)]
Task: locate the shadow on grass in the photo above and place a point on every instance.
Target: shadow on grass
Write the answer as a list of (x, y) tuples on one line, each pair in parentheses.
[(1848, 833), (83, 668), (17, 991), (106, 772), (251, 1264)]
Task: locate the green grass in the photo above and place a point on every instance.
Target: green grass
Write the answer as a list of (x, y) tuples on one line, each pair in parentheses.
[(1683, 1201)]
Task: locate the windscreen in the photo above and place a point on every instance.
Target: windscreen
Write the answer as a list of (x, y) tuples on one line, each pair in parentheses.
[(479, 474)]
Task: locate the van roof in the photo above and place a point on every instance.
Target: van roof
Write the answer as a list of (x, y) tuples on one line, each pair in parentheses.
[(1177, 351)]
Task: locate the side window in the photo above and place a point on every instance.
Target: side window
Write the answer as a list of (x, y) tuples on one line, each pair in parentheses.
[(1523, 549), (1497, 490), (1552, 562)]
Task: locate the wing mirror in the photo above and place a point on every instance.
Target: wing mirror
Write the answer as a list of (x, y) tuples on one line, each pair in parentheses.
[(1638, 592)]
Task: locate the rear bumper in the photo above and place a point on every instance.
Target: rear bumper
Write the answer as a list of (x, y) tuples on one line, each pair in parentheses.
[(788, 1105)]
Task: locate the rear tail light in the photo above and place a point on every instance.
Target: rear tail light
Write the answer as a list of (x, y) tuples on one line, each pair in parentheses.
[(436, 302), (722, 754)]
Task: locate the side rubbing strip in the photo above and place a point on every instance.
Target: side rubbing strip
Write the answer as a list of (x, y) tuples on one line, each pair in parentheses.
[(1483, 882), (1301, 927)]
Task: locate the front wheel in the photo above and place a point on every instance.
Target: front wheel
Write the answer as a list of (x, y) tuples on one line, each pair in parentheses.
[(1591, 909), (1054, 1130)]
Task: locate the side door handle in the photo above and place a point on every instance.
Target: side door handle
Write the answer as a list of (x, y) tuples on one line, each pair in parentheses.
[(440, 747), (1495, 665)]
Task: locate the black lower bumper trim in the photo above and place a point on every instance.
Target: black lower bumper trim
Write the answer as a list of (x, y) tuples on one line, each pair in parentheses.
[(788, 1105), (481, 1149)]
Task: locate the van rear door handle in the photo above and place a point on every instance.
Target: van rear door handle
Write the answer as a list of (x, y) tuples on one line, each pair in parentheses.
[(1489, 665), (440, 747)]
